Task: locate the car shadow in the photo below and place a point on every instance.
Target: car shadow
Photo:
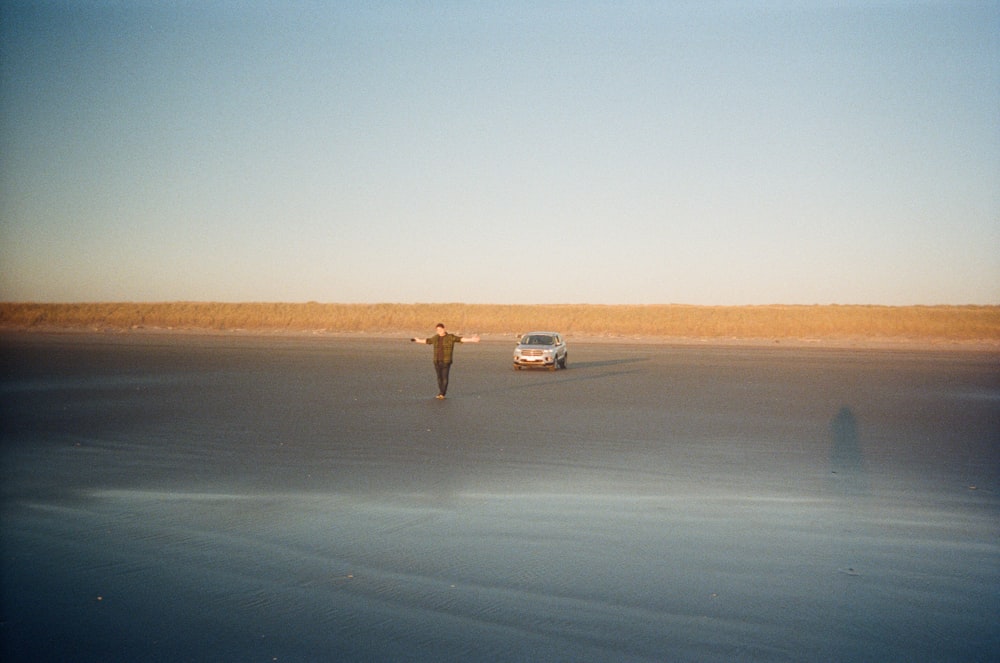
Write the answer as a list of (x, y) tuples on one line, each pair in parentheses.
[(582, 365), (559, 379), (575, 372)]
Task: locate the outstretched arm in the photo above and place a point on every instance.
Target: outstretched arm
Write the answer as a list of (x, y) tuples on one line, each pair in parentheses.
[(470, 339), (419, 340)]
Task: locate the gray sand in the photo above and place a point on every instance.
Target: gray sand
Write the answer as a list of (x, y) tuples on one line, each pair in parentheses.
[(215, 498)]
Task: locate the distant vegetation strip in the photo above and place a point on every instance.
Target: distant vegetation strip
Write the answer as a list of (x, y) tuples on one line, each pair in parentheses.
[(956, 323)]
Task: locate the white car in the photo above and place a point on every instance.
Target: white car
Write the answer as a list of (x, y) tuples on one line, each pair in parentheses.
[(541, 350)]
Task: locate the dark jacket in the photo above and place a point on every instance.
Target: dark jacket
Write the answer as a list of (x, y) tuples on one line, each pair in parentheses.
[(443, 346)]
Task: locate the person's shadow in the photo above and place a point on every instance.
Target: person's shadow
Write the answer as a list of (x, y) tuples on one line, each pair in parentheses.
[(609, 362), (847, 464)]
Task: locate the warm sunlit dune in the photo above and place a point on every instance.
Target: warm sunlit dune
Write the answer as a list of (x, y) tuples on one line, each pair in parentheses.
[(953, 323)]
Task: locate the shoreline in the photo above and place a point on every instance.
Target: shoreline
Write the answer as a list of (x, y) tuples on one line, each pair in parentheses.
[(929, 344)]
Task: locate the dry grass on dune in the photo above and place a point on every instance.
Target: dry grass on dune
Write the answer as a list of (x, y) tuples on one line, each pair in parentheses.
[(955, 323)]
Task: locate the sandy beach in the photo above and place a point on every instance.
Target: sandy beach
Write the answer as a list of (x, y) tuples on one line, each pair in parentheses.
[(210, 497)]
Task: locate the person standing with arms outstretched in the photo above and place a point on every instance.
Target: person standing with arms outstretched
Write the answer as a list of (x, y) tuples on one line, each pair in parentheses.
[(444, 344)]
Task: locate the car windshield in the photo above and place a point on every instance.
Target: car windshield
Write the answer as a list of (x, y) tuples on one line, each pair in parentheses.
[(537, 340)]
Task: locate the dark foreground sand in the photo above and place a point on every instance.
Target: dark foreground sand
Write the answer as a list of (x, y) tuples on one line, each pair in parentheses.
[(210, 498)]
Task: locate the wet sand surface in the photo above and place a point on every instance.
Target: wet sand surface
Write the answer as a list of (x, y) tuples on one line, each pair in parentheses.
[(214, 498)]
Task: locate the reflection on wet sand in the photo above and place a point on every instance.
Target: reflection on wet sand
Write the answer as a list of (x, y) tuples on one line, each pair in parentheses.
[(283, 500)]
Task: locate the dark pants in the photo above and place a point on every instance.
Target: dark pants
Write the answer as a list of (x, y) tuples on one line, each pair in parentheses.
[(442, 369)]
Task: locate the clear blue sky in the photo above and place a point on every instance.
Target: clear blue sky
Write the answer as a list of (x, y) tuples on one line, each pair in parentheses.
[(508, 152)]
